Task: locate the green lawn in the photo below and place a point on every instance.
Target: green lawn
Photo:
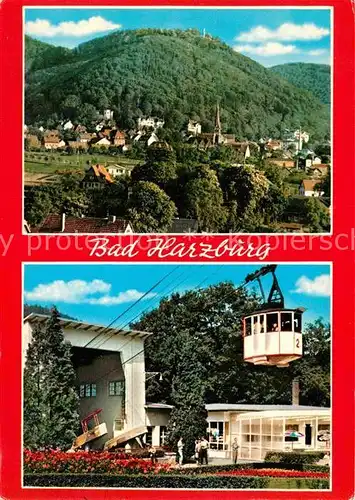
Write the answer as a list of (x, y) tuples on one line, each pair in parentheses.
[(36, 163)]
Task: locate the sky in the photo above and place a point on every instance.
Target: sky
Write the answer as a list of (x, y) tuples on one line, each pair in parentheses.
[(99, 293), (269, 36)]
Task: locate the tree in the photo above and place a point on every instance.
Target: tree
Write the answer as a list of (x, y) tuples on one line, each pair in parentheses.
[(313, 369), (150, 209), (245, 190), (317, 216), (161, 173), (197, 345), (50, 398), (203, 200)]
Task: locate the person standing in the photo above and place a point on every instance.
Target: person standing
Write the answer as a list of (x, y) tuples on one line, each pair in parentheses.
[(180, 447), (204, 451), (235, 448), (197, 450), (153, 454)]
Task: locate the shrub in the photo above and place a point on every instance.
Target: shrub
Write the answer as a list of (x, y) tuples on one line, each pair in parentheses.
[(307, 457), (143, 481), (257, 465), (88, 462)]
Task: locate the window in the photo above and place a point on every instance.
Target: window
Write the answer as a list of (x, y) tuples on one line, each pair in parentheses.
[(215, 435), (119, 424), (298, 322), (162, 435), (248, 326), (149, 435), (87, 390), (286, 322), (272, 322), (116, 388)]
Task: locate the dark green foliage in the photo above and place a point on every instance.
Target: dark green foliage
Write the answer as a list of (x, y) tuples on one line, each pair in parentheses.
[(50, 398), (294, 457), (144, 481), (35, 308), (197, 344), (150, 209), (317, 215), (64, 195), (169, 73), (313, 369), (308, 76), (203, 200)]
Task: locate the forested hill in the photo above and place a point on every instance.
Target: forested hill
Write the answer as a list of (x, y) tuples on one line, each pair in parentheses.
[(37, 309), (167, 73), (309, 76)]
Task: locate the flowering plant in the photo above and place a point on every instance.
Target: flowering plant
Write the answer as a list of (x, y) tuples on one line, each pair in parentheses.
[(104, 462), (275, 473)]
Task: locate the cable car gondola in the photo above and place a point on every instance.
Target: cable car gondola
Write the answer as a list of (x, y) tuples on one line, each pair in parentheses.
[(272, 335)]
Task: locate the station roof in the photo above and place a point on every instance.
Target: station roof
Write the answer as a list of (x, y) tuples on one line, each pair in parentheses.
[(248, 407), (158, 406), (70, 324)]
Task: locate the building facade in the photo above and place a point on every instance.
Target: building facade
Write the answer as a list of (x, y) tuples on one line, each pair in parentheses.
[(263, 428), (110, 373)]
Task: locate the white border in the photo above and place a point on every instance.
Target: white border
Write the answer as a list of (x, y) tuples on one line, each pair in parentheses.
[(187, 7), (83, 263)]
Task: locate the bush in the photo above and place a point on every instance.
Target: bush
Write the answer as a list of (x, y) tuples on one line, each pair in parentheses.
[(294, 457), (143, 481), (37, 462), (257, 465)]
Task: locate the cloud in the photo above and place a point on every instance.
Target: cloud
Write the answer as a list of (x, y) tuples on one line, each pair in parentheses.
[(268, 49), (317, 52), (285, 32), (121, 298), (44, 28), (320, 286), (82, 292)]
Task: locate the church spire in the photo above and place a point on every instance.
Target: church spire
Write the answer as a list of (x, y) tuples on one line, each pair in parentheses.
[(217, 136)]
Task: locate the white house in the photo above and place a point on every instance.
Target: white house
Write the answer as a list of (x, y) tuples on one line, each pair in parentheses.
[(118, 170), (309, 188), (194, 127), (68, 125), (150, 122), (108, 114), (150, 139), (101, 142), (110, 374)]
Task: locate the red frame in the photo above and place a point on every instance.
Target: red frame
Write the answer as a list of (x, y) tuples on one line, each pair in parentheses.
[(16, 248)]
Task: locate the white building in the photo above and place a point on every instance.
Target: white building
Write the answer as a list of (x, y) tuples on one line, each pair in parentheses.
[(263, 428), (68, 125), (118, 170), (194, 127), (150, 122), (108, 114), (110, 374), (309, 188)]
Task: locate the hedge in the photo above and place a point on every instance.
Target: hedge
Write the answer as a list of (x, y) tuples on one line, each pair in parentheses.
[(144, 481), (252, 465), (294, 457)]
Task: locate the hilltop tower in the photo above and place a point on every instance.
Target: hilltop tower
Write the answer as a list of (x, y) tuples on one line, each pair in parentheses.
[(217, 135)]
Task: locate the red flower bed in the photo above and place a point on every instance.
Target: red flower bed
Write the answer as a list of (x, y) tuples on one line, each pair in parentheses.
[(88, 462), (275, 473)]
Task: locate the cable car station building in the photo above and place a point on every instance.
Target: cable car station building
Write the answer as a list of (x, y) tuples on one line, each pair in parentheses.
[(263, 428), (111, 377)]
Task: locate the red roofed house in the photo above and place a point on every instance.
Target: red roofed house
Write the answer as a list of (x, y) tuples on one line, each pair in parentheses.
[(96, 177), (310, 188), (318, 170), (56, 223), (53, 142), (118, 138)]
